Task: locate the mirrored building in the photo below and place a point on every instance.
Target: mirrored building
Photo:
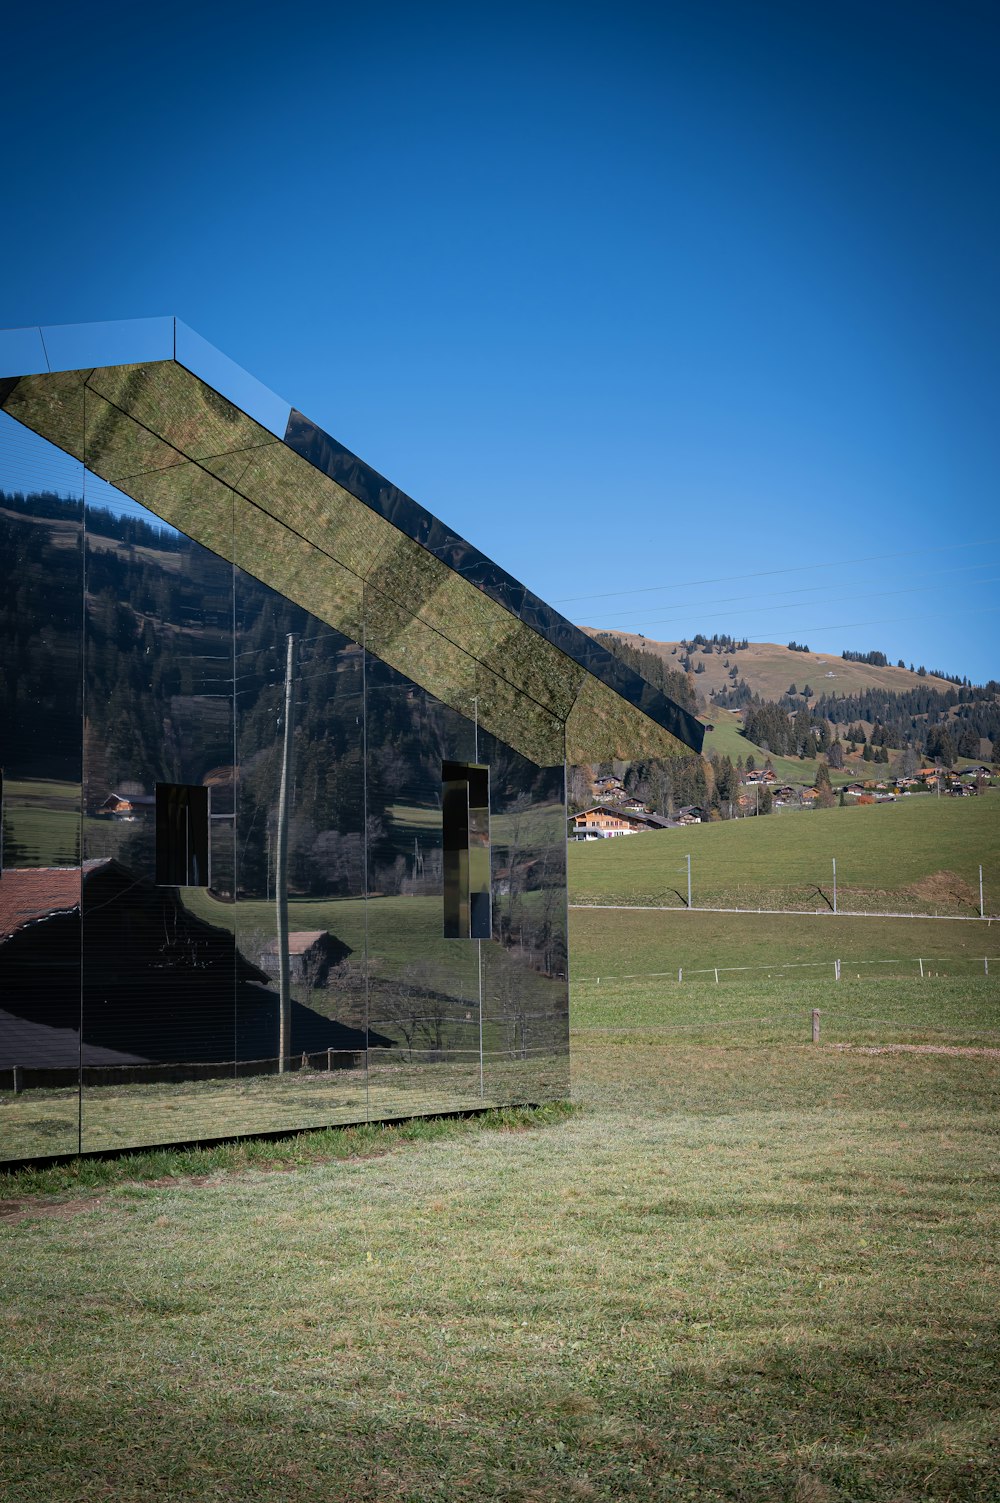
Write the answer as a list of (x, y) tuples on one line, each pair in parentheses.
[(283, 762)]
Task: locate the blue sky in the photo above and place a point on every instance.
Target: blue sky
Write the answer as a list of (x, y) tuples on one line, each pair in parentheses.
[(686, 314)]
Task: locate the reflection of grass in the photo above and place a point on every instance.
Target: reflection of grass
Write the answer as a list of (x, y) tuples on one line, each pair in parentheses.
[(404, 933), (42, 837), (414, 817), (38, 1122), (743, 1270), (50, 794), (44, 1122)]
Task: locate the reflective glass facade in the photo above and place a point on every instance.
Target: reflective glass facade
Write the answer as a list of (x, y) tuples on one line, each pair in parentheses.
[(238, 673)]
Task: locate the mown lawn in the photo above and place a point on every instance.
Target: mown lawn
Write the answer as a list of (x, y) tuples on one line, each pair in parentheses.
[(745, 1267), (613, 942), (921, 855)]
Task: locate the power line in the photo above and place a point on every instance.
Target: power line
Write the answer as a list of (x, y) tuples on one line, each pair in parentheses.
[(797, 604), (808, 590), (770, 573)]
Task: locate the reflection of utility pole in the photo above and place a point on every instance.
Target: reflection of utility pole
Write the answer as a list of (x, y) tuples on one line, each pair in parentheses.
[(281, 865)]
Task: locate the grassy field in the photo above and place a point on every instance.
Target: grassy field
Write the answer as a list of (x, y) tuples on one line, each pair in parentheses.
[(614, 943), (920, 855), (746, 1267)]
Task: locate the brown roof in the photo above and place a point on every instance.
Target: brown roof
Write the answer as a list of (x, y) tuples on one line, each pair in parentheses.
[(31, 893), (299, 941)]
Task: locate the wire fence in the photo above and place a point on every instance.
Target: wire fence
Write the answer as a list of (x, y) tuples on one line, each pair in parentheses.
[(926, 967), (827, 912)]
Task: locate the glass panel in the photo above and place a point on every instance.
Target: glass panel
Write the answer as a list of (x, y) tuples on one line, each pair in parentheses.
[(22, 352), (602, 725), (51, 406), (177, 407), (281, 559), (118, 447), (465, 819), (182, 844), (160, 968), (319, 686), (423, 988), (127, 341), (231, 380), (309, 504), (41, 606), (525, 987)]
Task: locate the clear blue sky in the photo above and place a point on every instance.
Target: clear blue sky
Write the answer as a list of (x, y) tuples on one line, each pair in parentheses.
[(632, 296)]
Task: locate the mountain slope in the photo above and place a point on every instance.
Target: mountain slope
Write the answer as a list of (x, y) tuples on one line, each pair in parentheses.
[(769, 669)]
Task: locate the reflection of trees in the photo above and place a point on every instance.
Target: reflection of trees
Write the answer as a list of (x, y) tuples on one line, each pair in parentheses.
[(423, 1016), (531, 889)]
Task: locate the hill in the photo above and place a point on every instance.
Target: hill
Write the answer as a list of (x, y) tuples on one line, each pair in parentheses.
[(768, 669), (917, 856)]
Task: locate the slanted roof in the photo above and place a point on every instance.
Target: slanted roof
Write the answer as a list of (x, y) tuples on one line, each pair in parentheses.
[(299, 941), (30, 894), (159, 414)]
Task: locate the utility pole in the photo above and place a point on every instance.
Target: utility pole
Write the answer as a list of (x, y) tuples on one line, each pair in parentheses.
[(982, 911), (281, 865), (834, 884), (689, 881)]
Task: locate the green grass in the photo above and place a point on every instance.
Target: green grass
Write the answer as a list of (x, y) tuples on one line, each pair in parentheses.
[(920, 855), (742, 1269), (612, 942), (745, 1266), (727, 740), (44, 791), (39, 1122)]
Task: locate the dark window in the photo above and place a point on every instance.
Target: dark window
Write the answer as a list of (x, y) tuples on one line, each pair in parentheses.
[(182, 812), (465, 809)]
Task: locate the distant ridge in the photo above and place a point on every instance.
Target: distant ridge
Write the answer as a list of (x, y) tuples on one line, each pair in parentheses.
[(770, 668)]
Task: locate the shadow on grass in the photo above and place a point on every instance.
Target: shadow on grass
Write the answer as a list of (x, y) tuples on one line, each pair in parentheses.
[(885, 1420)]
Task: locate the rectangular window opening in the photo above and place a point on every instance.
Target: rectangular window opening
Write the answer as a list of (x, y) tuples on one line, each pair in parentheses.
[(182, 846), (465, 812)]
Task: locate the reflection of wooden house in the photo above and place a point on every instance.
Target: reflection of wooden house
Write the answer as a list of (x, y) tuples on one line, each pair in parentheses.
[(127, 805), (311, 953), (160, 983)]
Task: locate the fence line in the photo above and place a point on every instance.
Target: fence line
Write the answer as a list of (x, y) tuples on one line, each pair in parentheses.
[(942, 918), (827, 1014), (793, 965)]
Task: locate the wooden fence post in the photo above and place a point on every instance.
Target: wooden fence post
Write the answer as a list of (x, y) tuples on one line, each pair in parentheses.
[(815, 1022)]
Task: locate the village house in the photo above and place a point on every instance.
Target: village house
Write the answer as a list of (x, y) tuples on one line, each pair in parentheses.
[(127, 805), (311, 953), (602, 822)]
